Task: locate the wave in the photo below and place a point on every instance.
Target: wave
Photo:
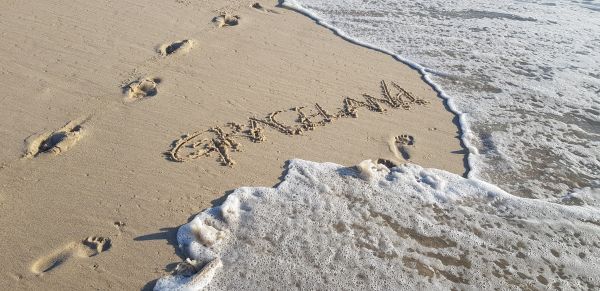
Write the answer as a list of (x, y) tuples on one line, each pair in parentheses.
[(521, 75), (326, 226)]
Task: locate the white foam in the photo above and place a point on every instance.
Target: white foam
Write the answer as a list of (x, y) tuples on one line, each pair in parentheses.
[(331, 227), (521, 75)]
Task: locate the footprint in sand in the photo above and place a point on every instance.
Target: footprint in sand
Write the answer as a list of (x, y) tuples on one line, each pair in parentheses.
[(86, 248), (403, 145), (226, 19), (142, 88), (387, 163), (260, 8), (177, 47), (55, 142)]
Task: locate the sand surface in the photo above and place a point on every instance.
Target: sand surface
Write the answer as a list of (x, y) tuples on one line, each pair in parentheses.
[(97, 94)]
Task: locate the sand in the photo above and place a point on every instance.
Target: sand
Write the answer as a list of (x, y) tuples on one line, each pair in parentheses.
[(97, 94)]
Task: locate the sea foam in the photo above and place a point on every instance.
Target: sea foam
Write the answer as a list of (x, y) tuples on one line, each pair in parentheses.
[(522, 76), (326, 227)]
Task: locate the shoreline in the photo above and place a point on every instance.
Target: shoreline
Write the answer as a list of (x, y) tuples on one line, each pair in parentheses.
[(105, 174), (460, 117)]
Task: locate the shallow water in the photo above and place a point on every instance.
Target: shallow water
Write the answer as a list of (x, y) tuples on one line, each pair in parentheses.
[(524, 74), (329, 227)]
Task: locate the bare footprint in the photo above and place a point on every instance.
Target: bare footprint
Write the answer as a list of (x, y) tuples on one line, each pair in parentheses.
[(406, 145), (226, 19), (144, 87), (387, 163), (179, 47), (403, 146), (259, 7), (86, 248), (55, 142)]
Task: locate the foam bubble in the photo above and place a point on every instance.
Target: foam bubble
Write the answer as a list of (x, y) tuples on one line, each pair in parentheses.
[(332, 227)]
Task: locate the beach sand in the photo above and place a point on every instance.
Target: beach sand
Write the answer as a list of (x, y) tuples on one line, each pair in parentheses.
[(97, 94)]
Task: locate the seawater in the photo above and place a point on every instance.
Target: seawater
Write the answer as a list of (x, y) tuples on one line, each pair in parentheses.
[(329, 227), (523, 75)]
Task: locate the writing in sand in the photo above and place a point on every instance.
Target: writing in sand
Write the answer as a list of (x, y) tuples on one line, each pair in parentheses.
[(221, 141)]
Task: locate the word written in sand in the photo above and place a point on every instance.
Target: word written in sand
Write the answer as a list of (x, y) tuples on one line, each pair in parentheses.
[(222, 141)]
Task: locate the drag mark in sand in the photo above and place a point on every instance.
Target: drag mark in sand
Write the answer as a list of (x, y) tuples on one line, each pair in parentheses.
[(203, 143), (86, 248)]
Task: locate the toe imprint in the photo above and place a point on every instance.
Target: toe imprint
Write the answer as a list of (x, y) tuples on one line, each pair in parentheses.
[(388, 163), (96, 243), (405, 139), (402, 146)]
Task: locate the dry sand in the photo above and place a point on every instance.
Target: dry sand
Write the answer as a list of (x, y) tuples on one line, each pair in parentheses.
[(95, 92)]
